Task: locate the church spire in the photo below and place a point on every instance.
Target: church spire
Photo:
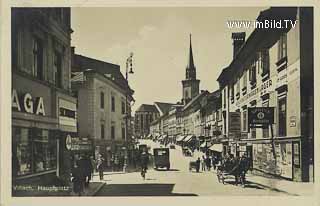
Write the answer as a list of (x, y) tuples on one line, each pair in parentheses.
[(191, 69), (191, 64)]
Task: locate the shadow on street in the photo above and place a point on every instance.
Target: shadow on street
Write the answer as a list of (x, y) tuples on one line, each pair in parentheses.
[(139, 190)]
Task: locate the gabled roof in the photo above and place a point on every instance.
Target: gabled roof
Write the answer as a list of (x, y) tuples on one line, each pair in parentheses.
[(147, 108), (82, 63), (163, 107)]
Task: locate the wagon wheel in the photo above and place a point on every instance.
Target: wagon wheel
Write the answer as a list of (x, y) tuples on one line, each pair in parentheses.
[(223, 179)]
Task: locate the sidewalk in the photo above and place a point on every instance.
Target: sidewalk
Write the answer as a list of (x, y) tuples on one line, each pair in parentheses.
[(282, 185), (274, 183)]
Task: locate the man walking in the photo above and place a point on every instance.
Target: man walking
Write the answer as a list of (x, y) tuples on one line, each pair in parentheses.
[(100, 161)]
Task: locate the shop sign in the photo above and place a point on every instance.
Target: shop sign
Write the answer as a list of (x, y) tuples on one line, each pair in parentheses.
[(282, 78), (234, 124), (265, 88), (260, 115), (68, 142), (81, 144), (294, 71), (27, 104), (293, 120), (67, 113)]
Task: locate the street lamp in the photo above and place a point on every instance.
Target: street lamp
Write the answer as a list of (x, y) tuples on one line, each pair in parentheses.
[(128, 66)]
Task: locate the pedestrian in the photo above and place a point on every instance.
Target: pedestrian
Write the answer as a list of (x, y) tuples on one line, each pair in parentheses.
[(78, 179), (214, 162), (85, 166), (112, 163), (198, 164), (100, 162), (93, 165), (208, 162), (235, 171), (202, 162), (116, 163), (144, 158)]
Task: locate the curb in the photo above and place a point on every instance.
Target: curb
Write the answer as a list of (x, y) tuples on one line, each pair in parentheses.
[(97, 190)]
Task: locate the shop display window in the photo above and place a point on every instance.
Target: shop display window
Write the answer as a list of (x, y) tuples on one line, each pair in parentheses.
[(34, 151), (21, 151)]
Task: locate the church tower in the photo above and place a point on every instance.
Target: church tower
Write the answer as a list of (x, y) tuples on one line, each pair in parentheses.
[(190, 86)]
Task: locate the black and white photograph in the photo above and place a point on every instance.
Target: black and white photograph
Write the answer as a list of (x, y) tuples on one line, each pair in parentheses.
[(162, 101)]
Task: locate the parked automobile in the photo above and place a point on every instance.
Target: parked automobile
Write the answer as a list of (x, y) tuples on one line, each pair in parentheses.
[(172, 146), (161, 158)]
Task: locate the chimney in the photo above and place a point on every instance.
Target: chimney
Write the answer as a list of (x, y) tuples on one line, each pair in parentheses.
[(238, 40)]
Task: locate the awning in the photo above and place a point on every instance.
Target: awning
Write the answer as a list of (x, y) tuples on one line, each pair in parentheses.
[(216, 147), (188, 138), (180, 138), (203, 144)]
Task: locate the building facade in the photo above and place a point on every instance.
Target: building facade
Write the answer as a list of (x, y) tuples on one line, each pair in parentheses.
[(143, 117), (43, 108), (102, 108), (273, 68)]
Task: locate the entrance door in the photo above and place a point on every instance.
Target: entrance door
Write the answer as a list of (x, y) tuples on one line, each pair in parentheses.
[(250, 156)]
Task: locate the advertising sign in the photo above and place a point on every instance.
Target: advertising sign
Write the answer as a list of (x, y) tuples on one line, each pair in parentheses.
[(260, 115), (81, 144), (67, 113), (234, 124)]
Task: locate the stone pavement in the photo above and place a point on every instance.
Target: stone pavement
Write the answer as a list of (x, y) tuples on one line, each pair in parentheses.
[(277, 184)]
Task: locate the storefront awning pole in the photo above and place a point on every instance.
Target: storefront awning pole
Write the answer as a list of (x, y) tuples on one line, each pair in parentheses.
[(273, 144)]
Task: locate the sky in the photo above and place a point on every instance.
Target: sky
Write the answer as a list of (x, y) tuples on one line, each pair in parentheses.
[(159, 40)]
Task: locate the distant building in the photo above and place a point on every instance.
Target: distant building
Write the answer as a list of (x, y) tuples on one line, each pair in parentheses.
[(101, 90), (144, 115), (43, 109)]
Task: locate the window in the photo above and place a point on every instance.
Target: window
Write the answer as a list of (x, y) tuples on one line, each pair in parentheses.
[(238, 89), (244, 79), (57, 64), (21, 151), (141, 122), (102, 131), (33, 151), (265, 131), (252, 74), (37, 67), (232, 93), (265, 62), (224, 98), (44, 151), (101, 100), (282, 117), (244, 119), (123, 133), (113, 106), (113, 132), (123, 107), (282, 46)]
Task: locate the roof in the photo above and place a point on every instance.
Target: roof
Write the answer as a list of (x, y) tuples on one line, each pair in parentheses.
[(163, 107), (258, 40), (82, 63), (147, 108), (195, 99)]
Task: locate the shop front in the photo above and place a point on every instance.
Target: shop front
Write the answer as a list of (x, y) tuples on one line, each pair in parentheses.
[(38, 147)]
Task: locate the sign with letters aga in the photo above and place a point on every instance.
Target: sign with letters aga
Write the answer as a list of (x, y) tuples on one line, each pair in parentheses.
[(25, 103)]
